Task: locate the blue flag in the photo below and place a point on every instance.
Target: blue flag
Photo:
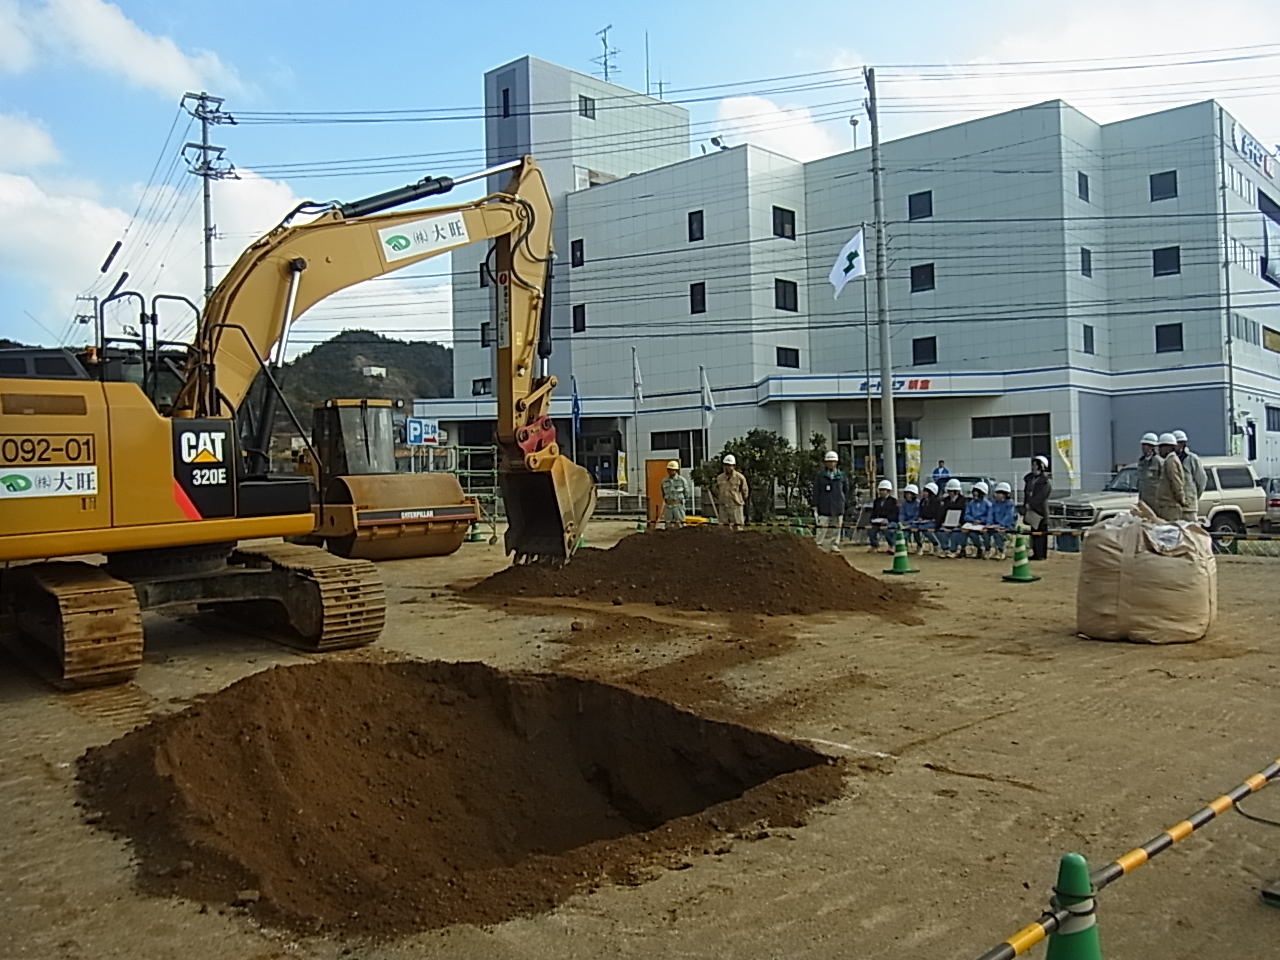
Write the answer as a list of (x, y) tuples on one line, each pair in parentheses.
[(577, 408)]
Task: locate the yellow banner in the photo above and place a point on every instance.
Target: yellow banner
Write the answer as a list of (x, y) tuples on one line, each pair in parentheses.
[(1064, 445), (912, 447), (622, 469)]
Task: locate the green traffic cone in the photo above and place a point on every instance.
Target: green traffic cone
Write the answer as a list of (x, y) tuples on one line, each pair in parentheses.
[(474, 535), (1021, 565), (901, 564), (1077, 938)]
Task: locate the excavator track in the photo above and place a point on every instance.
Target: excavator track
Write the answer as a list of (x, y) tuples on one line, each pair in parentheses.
[(333, 603), (73, 623)]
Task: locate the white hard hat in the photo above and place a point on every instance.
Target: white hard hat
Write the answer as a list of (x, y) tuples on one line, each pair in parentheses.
[(1044, 461), (931, 487), (673, 464), (730, 459), (885, 485), (953, 484), (1003, 487), (1168, 440), (1180, 436), (1150, 438), (831, 455), (910, 488), (981, 486)]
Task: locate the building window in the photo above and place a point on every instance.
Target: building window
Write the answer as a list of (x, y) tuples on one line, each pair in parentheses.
[(921, 277), (1086, 262), (586, 107), (506, 102), (1168, 338), (482, 387), (484, 273), (688, 442), (1271, 340), (1029, 435), (1088, 338), (1166, 261), (576, 258), (1164, 186), (579, 317), (920, 205), (785, 296), (789, 357), (697, 298), (924, 351), (1082, 185), (695, 225), (486, 334), (1273, 419), (784, 223)]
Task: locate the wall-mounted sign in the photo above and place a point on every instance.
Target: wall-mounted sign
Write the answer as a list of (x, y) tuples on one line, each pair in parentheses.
[(1252, 150), (899, 385)]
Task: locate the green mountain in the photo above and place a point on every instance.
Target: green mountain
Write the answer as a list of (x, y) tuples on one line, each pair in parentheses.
[(334, 369)]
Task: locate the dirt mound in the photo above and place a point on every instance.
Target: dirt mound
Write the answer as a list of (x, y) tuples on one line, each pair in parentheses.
[(710, 568), (379, 799)]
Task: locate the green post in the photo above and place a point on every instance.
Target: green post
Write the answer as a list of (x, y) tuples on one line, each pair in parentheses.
[(1077, 938)]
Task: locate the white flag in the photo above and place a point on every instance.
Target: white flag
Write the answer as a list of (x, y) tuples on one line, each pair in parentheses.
[(637, 381), (708, 402), (851, 264)]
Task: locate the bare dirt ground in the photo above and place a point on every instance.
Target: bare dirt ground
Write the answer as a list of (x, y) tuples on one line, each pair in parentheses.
[(982, 743)]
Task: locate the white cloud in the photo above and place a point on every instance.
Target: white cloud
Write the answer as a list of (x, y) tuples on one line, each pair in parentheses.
[(790, 131), (16, 50), (24, 144)]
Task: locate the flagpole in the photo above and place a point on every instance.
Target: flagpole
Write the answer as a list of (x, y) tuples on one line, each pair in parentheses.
[(573, 420), (702, 405), (635, 418), (866, 355)]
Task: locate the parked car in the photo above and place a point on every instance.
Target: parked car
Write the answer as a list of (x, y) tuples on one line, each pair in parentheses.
[(1271, 522), (1233, 499)]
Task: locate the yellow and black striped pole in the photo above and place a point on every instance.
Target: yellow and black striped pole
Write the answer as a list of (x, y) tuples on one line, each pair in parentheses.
[(1053, 920)]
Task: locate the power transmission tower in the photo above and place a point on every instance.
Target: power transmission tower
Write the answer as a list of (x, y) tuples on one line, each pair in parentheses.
[(208, 163), (606, 59)]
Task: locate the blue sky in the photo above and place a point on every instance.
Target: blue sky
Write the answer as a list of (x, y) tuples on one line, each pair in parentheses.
[(89, 90)]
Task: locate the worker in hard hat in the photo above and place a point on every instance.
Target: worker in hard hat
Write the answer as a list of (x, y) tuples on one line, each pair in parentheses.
[(828, 495), (1191, 465), (884, 516), (1004, 519), (950, 516), (977, 517), (730, 492), (677, 493), (930, 517), (1175, 497), (909, 515), (1036, 491), (1149, 467)]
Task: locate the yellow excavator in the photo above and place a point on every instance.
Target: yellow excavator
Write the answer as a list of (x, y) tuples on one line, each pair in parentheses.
[(364, 508), (158, 455)]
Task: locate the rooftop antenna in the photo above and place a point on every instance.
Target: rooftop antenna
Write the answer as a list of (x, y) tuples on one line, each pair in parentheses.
[(606, 58), (647, 90)]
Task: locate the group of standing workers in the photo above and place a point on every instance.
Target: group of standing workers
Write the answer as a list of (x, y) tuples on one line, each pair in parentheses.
[(940, 521), (1171, 479)]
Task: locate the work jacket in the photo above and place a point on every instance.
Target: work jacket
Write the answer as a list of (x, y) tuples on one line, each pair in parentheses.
[(978, 510), (1004, 514), (1149, 468), (1174, 497), (930, 509), (676, 490), (909, 511), (885, 508), (829, 493), (952, 501), (730, 488), (1036, 490), (1194, 470)]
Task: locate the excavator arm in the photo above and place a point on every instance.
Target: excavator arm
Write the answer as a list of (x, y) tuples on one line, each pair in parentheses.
[(277, 279)]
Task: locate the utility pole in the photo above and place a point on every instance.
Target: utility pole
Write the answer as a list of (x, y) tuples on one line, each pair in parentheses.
[(606, 59), (888, 428), (208, 163)]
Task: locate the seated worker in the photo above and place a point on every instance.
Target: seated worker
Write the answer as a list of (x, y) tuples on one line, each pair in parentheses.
[(884, 516), (1004, 518), (977, 517), (954, 502), (927, 523), (909, 515)]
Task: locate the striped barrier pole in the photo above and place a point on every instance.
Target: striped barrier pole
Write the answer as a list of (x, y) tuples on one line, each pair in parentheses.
[(1053, 921)]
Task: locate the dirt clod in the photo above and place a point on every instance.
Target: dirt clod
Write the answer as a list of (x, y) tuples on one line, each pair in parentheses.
[(711, 569), (507, 793)]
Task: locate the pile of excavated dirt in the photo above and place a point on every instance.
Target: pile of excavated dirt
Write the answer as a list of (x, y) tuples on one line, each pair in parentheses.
[(381, 798), (710, 568)]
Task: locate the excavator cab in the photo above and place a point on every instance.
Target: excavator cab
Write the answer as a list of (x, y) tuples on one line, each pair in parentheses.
[(367, 510)]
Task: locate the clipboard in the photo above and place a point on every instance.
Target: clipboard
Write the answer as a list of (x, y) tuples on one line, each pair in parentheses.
[(952, 518), (1033, 519)]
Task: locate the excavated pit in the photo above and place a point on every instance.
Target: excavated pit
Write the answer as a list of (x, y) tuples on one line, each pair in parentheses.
[(380, 799), (709, 568)]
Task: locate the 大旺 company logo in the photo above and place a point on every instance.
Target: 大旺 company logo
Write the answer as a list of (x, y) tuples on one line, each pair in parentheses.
[(16, 483), (399, 242), (202, 447)]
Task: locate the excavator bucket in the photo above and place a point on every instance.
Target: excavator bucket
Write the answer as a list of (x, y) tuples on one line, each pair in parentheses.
[(547, 511)]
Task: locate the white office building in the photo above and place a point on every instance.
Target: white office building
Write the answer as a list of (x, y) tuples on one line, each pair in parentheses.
[(1049, 278)]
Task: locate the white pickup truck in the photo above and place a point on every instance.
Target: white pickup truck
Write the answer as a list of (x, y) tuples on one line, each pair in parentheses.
[(1233, 501)]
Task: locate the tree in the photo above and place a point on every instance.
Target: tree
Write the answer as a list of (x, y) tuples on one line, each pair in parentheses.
[(772, 467)]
